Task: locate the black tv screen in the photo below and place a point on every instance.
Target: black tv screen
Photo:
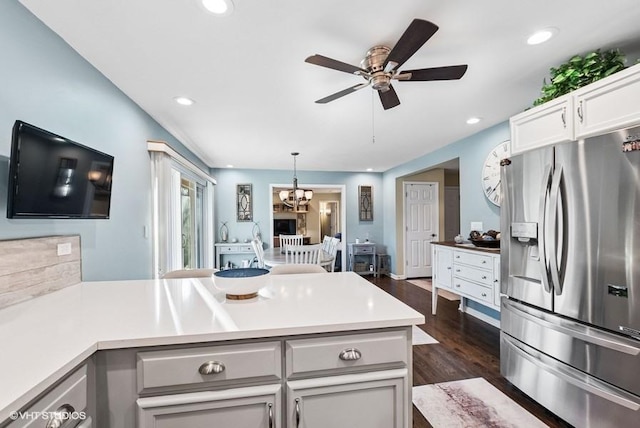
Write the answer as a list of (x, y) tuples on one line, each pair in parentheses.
[(284, 226), (53, 177)]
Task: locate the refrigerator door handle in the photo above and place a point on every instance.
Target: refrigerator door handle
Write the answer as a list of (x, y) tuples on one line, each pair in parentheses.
[(575, 377), (556, 229), (542, 226)]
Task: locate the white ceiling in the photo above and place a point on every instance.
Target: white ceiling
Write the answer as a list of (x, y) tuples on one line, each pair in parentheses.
[(255, 94)]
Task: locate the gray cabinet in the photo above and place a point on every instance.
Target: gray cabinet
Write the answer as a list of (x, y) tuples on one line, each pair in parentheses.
[(250, 407), (367, 400), (362, 258)]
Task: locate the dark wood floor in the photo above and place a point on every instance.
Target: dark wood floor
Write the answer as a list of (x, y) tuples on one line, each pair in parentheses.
[(468, 348)]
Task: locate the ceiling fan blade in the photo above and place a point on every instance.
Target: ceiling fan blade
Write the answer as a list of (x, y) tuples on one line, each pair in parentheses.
[(342, 93), (389, 98), (324, 61), (416, 35), (452, 72)]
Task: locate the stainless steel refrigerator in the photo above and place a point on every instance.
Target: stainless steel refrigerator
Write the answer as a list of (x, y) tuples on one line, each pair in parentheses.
[(570, 271)]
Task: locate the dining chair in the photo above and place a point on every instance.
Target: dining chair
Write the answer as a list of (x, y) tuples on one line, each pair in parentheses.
[(292, 269), (287, 240), (329, 250), (256, 244), (189, 273), (303, 254)]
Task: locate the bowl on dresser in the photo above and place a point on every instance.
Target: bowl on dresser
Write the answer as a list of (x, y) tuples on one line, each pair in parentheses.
[(486, 243)]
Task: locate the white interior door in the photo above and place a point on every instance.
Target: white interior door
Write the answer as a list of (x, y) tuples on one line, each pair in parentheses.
[(421, 227)]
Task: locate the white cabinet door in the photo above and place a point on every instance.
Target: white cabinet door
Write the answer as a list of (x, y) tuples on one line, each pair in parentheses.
[(543, 125), (608, 104), (368, 400), (444, 264), (250, 407)]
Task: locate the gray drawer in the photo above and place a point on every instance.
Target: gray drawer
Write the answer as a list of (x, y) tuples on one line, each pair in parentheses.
[(474, 274), (367, 249), (68, 396), (179, 367), (324, 353)]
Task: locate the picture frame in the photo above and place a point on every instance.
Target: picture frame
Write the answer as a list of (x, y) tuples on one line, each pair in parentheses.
[(244, 202), (365, 203)]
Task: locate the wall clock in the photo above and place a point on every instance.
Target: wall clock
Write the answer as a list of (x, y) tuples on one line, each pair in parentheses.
[(491, 172)]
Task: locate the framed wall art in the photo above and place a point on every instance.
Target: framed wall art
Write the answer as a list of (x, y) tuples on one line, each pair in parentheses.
[(365, 202), (244, 202)]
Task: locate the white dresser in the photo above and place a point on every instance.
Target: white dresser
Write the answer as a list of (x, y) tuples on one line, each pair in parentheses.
[(471, 272)]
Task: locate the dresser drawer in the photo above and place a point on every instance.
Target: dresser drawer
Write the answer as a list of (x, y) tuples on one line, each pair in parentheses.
[(365, 249), (235, 249), (477, 260), (211, 365), (473, 274), (345, 352), (473, 290), (70, 397)]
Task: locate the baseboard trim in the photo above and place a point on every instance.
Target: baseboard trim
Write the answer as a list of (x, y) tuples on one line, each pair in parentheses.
[(397, 277), (482, 317)]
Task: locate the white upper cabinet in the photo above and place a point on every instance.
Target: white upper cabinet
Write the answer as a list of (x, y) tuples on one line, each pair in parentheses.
[(608, 104), (600, 107), (543, 125)]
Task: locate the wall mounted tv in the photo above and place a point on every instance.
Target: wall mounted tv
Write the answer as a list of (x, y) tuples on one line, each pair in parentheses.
[(53, 177)]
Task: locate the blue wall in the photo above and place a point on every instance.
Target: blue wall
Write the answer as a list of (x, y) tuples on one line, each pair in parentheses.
[(261, 179), (46, 83)]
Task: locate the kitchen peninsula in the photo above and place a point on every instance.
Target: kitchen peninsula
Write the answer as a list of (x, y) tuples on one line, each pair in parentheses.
[(132, 351)]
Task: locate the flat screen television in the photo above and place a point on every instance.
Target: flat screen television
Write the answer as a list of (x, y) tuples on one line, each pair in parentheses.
[(284, 226), (53, 177)]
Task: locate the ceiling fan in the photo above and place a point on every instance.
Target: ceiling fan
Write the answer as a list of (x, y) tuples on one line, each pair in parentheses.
[(380, 66)]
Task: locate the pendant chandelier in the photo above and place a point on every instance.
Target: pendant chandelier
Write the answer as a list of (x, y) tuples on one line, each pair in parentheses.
[(295, 197)]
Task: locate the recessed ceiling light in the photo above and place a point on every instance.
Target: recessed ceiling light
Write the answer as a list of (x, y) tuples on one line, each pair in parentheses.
[(541, 36), (229, 166), (218, 7), (184, 101), (369, 169), (473, 120)]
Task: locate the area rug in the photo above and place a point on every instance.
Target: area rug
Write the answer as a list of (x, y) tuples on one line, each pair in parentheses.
[(421, 338), (470, 403), (426, 284)]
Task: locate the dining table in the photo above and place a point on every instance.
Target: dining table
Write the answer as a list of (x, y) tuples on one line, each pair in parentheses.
[(275, 256)]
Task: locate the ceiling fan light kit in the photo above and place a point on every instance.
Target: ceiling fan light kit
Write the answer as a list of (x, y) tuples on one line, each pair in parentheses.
[(381, 63)]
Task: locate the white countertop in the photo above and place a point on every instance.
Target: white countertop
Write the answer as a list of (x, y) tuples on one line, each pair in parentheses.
[(45, 337)]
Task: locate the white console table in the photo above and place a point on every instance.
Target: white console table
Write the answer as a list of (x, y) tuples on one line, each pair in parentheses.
[(231, 248), (471, 272)]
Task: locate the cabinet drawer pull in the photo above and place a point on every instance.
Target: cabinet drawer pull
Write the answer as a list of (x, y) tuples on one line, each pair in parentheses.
[(564, 117), (297, 412), (484, 276), (270, 415), (350, 354), (580, 112), (484, 262), (458, 285), (484, 294), (457, 257), (62, 414), (457, 270), (449, 267), (211, 367)]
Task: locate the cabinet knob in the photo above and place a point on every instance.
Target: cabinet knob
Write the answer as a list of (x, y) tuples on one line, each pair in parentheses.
[(484, 294), (458, 285), (484, 262), (484, 276), (457, 270), (350, 354), (449, 267), (60, 416), (211, 367)]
